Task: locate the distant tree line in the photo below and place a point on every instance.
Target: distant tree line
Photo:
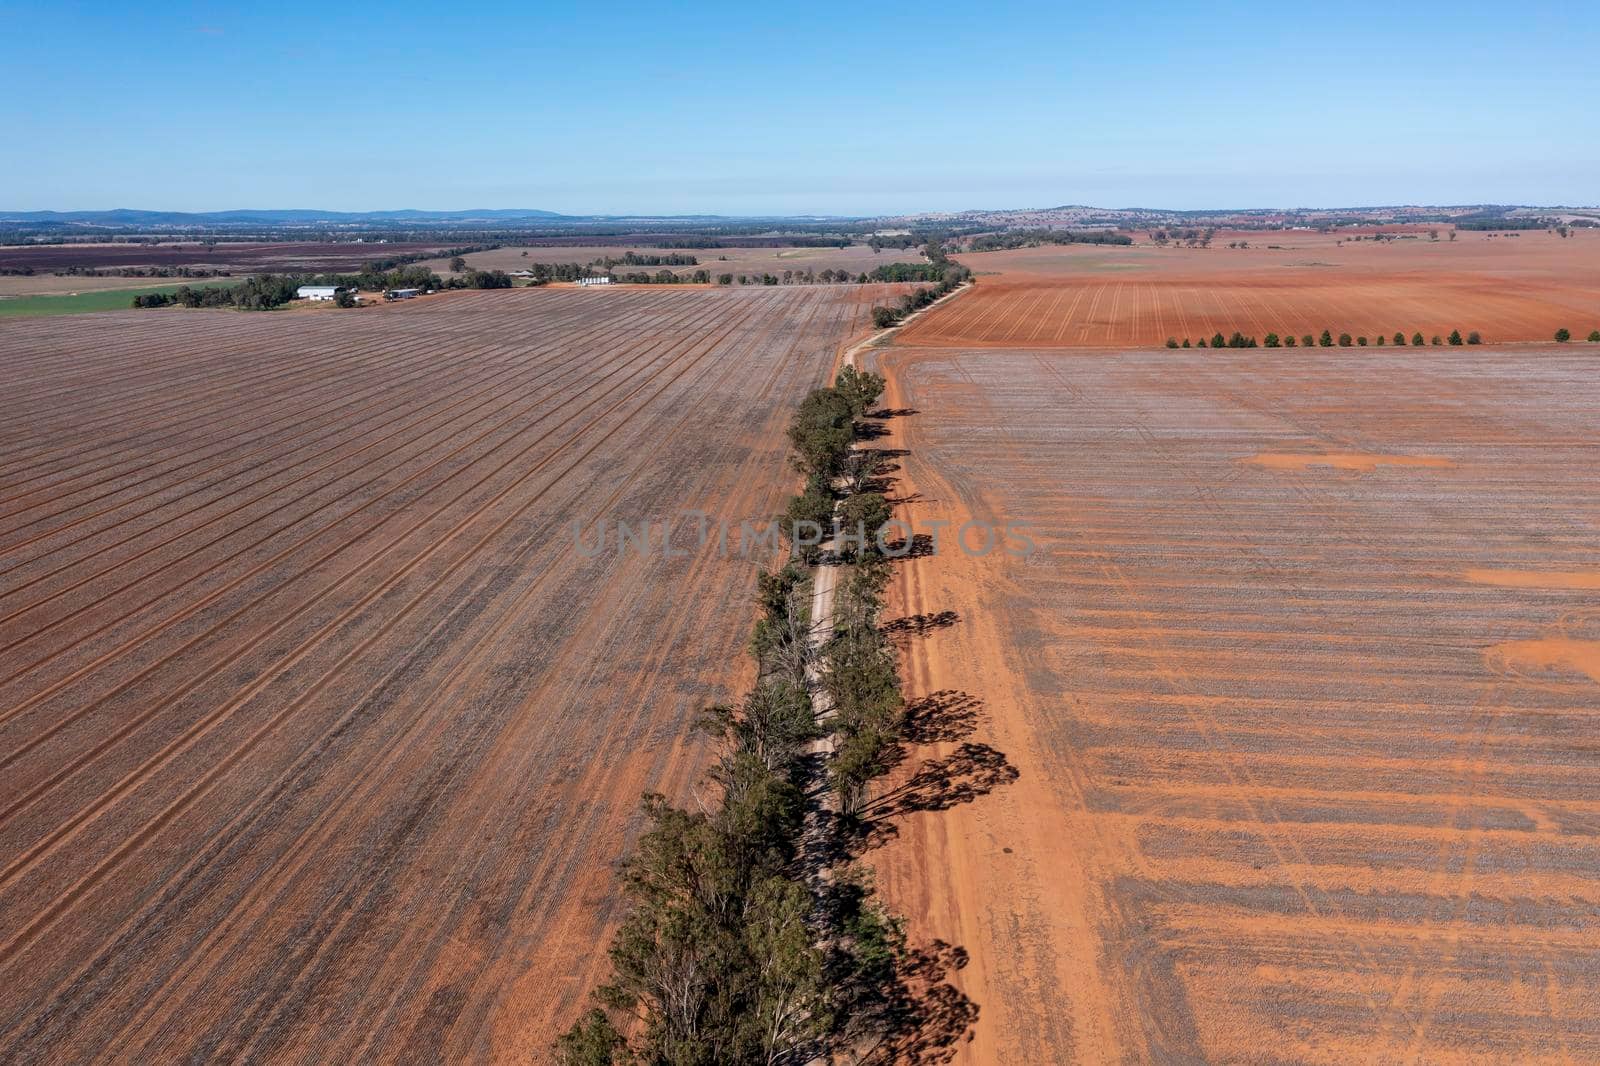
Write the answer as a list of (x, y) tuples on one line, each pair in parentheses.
[(1325, 340), (635, 259), (701, 243), (953, 278), (1033, 238), (1191, 236), (252, 294), (665, 277)]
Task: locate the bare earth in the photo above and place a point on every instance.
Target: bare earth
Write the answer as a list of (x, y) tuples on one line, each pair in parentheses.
[(1301, 686), (1519, 288), (318, 739)]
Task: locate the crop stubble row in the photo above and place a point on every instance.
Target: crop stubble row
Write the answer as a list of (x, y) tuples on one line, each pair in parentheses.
[(318, 737)]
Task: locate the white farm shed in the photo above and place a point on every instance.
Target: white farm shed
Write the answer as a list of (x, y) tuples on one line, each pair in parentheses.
[(317, 292)]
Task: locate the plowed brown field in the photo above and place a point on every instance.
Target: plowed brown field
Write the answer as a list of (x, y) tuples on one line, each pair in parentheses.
[(1508, 288), (318, 738), (1302, 686)]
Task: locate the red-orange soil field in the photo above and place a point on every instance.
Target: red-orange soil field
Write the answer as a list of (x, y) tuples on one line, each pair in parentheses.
[(1302, 684), (318, 735), (1520, 288)]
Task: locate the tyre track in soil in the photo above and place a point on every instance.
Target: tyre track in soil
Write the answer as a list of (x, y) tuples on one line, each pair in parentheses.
[(647, 680), (324, 939), (313, 374), (297, 417), (296, 445), (223, 386), (313, 383), (206, 601), (523, 382), (728, 367), (31, 855)]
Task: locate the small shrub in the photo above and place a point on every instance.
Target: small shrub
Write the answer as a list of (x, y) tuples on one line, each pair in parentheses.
[(1326, 340), (1289, 341), (1400, 339), (1563, 335), (1473, 338), (1307, 341), (1172, 342), (1417, 341), (1361, 342), (1455, 338), (1344, 340), (1271, 340), (1594, 336), (1437, 341)]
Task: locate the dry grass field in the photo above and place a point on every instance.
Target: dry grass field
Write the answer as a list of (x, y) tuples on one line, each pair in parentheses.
[(1302, 687), (318, 738), (1520, 288)]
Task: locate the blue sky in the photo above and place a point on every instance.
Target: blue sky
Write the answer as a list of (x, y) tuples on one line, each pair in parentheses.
[(796, 108)]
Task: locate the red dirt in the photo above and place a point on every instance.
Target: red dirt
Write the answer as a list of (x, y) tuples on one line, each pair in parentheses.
[(319, 738), (1508, 289), (1297, 782)]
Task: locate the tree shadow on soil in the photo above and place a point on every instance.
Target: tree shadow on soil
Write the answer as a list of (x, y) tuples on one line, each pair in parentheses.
[(971, 771), (921, 547), (892, 412), (919, 625), (897, 1005)]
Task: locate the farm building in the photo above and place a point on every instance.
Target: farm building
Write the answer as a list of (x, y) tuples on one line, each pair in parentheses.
[(317, 292), (594, 281), (401, 294)]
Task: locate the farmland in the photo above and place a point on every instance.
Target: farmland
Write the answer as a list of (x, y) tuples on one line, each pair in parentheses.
[(319, 735), (237, 256), (858, 258), (1518, 288), (1301, 685), (94, 299)]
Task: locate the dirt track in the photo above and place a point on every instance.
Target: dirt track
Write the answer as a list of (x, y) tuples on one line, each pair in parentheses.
[(1301, 687), (1508, 288), (317, 736)]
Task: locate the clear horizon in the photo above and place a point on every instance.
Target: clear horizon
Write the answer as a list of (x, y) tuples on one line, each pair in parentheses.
[(634, 110)]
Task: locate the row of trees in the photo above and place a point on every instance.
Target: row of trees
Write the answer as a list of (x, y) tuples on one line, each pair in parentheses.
[(1193, 237), (635, 259), (1033, 238), (1563, 335), (665, 277), (1325, 340), (252, 294), (954, 276), (732, 950)]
